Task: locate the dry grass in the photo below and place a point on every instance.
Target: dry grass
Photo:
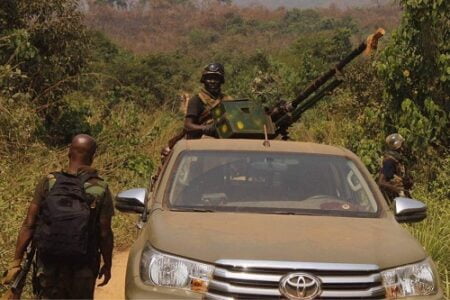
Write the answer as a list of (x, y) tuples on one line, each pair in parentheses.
[(21, 170), (159, 27)]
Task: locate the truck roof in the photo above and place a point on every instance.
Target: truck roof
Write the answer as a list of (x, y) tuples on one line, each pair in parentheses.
[(257, 145)]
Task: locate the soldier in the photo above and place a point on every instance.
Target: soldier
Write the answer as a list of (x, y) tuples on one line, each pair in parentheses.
[(198, 119), (59, 276), (393, 179)]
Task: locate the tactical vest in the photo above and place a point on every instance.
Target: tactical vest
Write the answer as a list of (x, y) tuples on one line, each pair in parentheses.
[(210, 102), (399, 166)]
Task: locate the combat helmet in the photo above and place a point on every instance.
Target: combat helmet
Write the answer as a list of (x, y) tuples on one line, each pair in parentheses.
[(213, 69), (394, 141)]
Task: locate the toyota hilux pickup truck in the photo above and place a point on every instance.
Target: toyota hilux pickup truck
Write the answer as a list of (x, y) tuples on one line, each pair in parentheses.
[(248, 219)]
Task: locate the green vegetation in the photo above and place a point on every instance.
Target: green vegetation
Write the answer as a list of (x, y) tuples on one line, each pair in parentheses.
[(121, 81)]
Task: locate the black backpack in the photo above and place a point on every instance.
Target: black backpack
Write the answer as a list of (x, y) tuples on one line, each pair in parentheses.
[(65, 227)]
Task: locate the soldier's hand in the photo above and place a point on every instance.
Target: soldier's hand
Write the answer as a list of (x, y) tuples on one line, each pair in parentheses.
[(209, 130), (165, 151), (10, 295), (12, 271), (105, 272)]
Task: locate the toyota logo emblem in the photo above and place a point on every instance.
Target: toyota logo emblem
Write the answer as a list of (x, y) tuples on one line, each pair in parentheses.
[(300, 286)]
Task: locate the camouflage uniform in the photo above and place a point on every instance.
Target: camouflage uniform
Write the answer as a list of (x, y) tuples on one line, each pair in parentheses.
[(394, 172), (72, 280)]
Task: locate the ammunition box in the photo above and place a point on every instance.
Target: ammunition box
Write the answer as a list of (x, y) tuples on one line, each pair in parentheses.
[(242, 119)]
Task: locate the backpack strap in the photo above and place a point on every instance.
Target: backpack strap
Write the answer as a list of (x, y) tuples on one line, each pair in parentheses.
[(51, 179), (85, 177)]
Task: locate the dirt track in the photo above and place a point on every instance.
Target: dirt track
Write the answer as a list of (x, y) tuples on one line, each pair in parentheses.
[(115, 288)]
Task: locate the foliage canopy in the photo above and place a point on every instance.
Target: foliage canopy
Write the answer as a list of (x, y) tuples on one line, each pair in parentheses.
[(121, 82)]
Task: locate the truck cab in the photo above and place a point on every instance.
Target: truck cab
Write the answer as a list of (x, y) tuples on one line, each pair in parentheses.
[(254, 219)]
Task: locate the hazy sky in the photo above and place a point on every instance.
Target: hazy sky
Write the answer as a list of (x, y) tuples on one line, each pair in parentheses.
[(311, 3)]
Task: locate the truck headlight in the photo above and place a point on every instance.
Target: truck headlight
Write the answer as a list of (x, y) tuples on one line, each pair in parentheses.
[(410, 280), (162, 269)]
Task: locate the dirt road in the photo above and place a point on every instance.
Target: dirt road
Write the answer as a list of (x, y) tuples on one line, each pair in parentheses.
[(115, 288)]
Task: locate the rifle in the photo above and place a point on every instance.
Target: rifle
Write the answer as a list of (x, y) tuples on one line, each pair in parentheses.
[(19, 282), (206, 115)]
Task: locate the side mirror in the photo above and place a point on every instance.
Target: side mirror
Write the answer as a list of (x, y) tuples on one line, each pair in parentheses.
[(409, 210), (132, 201)]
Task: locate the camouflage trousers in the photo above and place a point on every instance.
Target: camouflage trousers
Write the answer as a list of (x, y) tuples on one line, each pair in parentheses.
[(65, 280), (390, 196)]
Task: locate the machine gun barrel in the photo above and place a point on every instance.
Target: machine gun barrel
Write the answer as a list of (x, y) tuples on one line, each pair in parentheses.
[(283, 123), (371, 43), (327, 75), (304, 106)]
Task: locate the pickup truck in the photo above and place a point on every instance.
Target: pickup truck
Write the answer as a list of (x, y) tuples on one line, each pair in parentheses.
[(248, 219)]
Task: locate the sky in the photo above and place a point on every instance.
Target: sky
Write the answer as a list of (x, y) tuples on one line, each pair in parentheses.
[(311, 3)]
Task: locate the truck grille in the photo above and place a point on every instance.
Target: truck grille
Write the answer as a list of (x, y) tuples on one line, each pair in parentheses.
[(243, 279)]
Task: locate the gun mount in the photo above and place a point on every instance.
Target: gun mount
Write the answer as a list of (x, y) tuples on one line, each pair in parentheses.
[(242, 119)]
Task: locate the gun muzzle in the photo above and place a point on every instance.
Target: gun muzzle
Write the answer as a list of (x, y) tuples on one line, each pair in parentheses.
[(372, 41)]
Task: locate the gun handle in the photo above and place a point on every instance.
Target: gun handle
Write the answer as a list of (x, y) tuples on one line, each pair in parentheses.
[(19, 282)]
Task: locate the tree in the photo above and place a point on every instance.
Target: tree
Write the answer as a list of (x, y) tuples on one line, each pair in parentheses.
[(415, 67), (47, 42), (43, 50)]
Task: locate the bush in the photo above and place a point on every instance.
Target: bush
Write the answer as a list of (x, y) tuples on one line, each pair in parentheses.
[(415, 70), (47, 42), (18, 123), (69, 118)]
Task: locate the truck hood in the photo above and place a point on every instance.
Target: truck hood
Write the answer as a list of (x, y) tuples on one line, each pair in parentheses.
[(209, 237)]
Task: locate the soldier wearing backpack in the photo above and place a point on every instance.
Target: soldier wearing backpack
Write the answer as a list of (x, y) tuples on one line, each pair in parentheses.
[(69, 223)]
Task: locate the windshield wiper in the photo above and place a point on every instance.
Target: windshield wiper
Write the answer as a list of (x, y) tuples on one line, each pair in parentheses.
[(291, 213), (194, 209), (282, 212)]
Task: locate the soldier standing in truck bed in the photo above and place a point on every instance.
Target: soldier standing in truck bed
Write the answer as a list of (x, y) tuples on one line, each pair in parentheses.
[(198, 115), (393, 179)]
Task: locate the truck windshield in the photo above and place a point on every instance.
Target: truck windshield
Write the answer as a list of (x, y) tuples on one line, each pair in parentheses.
[(281, 183)]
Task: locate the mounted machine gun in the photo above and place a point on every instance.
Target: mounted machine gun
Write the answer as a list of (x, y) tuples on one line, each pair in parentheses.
[(285, 114), (243, 119)]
